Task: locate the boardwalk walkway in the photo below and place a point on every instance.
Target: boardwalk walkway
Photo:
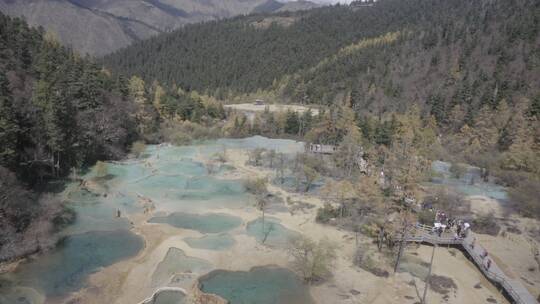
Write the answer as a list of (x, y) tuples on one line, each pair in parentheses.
[(513, 287)]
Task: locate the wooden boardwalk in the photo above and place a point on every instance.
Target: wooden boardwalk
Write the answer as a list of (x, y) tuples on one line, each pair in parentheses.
[(513, 287)]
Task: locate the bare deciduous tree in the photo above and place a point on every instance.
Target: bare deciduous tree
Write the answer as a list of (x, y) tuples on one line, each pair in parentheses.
[(281, 167), (256, 156), (312, 260)]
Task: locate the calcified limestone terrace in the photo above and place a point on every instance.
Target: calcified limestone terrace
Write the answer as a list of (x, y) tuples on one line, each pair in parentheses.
[(170, 181), (167, 185), (264, 285), (212, 242), (167, 295)]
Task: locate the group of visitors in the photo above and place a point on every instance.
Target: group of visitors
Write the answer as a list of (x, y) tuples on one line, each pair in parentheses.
[(441, 223), (439, 228), (462, 229), (441, 217), (444, 223)]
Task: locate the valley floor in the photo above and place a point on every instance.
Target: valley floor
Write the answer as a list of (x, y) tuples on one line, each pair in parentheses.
[(130, 281)]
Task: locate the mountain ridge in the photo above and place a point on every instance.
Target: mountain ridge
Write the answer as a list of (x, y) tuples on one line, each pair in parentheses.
[(99, 27)]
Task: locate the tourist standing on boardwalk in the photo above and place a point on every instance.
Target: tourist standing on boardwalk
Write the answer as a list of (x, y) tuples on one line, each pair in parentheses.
[(466, 227), (488, 264)]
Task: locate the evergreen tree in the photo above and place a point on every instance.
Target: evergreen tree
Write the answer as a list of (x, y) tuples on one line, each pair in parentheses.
[(63, 112), (437, 108), (146, 115), (456, 119), (534, 109), (292, 123), (306, 122), (502, 115), (350, 150), (356, 97), (486, 129), (8, 125)]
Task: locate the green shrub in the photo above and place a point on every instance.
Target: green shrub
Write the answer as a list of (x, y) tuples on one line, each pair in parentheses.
[(370, 229), (101, 169), (426, 217), (525, 198), (486, 224), (181, 138), (458, 170), (138, 148), (511, 178), (64, 218), (183, 133), (326, 213), (364, 259), (256, 186)]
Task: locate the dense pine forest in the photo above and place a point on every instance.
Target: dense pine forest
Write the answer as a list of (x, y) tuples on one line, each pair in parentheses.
[(334, 49), (58, 113)]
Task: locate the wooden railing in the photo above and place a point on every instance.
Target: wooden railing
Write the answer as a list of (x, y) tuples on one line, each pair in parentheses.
[(500, 279), (425, 234)]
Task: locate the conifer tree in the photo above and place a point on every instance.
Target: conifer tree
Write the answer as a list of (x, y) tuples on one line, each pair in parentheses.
[(486, 129), (292, 123), (146, 115), (8, 125), (350, 150)]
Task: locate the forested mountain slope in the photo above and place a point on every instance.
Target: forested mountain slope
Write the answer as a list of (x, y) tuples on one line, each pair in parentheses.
[(236, 54), (58, 112), (434, 40), (98, 27)]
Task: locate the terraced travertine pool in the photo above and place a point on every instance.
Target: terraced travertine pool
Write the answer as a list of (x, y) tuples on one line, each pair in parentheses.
[(469, 183), (173, 183), (176, 262), (65, 269), (220, 241), (261, 285), (204, 223), (270, 232), (169, 297)]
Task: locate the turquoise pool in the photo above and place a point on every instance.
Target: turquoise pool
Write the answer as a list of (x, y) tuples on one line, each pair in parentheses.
[(261, 285)]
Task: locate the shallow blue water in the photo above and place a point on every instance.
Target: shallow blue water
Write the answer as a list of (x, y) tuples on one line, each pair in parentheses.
[(212, 242), (279, 145), (469, 184), (261, 285), (290, 183), (65, 269), (176, 262), (273, 234), (169, 297), (204, 223), (97, 214)]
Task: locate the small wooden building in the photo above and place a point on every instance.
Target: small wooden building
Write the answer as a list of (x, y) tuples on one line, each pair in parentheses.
[(322, 149)]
